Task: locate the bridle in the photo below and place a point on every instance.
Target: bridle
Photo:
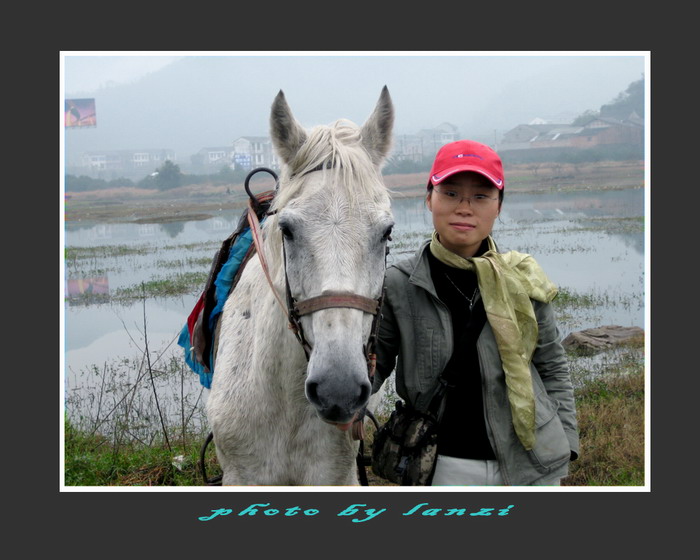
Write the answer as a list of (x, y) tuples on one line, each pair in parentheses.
[(295, 310)]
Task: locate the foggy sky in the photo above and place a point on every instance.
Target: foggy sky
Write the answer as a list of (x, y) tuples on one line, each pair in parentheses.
[(196, 101)]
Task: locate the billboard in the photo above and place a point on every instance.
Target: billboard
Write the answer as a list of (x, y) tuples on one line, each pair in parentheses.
[(243, 161), (80, 113)]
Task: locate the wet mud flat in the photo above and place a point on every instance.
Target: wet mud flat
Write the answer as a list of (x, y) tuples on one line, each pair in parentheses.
[(201, 202)]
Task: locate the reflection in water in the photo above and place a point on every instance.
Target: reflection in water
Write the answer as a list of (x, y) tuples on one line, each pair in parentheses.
[(86, 287), (173, 229), (589, 242)]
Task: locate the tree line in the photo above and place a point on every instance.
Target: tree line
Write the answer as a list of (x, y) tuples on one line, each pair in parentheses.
[(167, 176), (629, 101)]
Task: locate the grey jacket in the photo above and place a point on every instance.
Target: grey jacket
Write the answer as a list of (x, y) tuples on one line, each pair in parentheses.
[(415, 339)]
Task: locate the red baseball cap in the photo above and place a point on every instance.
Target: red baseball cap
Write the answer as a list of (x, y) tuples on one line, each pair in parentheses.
[(467, 155)]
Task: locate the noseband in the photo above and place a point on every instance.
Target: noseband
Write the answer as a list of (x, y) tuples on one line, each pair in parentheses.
[(330, 300), (295, 310)]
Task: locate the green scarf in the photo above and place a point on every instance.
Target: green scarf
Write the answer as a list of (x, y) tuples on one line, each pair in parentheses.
[(507, 282)]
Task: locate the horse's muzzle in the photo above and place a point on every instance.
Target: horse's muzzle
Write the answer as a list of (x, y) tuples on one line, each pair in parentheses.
[(335, 402), (337, 382)]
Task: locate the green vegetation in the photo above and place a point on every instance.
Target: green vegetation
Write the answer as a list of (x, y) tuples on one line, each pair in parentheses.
[(568, 300), (607, 152), (95, 460), (611, 426), (616, 225), (166, 177), (84, 183), (177, 284), (72, 254), (629, 101), (115, 439), (135, 421), (169, 175), (611, 413)]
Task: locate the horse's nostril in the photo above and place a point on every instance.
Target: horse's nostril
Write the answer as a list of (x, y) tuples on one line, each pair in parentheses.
[(364, 394), (312, 393)]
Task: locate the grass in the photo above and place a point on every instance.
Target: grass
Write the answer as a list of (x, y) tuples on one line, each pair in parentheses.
[(135, 421), (131, 448), (568, 299), (96, 460), (73, 254), (611, 427), (611, 413), (616, 225), (176, 284)]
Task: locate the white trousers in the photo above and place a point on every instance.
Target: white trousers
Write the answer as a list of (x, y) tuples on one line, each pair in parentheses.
[(452, 471)]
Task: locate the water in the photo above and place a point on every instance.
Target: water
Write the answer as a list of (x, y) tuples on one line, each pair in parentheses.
[(588, 242)]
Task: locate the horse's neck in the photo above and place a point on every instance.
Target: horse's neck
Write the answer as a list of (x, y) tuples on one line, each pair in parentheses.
[(281, 349)]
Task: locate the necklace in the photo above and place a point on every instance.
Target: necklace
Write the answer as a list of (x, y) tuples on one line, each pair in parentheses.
[(469, 299)]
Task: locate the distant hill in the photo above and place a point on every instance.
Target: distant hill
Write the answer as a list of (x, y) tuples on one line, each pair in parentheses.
[(201, 101)]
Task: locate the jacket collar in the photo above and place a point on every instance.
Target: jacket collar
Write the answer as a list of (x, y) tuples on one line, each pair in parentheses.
[(417, 268)]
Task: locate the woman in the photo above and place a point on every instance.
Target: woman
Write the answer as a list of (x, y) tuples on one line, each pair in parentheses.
[(483, 320)]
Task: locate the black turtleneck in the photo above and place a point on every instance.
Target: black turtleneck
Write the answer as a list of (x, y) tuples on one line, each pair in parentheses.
[(463, 427)]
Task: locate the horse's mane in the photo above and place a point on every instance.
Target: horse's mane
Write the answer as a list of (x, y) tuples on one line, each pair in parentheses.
[(338, 148)]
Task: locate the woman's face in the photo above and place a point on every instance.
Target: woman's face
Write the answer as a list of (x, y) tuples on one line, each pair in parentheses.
[(461, 223)]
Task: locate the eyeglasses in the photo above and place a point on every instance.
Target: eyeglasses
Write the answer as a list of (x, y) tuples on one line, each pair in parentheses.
[(453, 198)]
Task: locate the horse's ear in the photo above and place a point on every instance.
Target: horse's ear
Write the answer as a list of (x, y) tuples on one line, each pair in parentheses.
[(287, 134), (376, 132)]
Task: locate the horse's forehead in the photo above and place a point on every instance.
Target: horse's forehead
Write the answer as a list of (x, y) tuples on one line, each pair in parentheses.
[(324, 191)]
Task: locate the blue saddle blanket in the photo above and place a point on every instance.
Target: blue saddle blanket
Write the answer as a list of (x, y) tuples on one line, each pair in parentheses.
[(197, 336)]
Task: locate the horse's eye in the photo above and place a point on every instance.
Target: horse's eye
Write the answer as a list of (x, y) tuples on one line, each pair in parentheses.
[(286, 231), (387, 234)]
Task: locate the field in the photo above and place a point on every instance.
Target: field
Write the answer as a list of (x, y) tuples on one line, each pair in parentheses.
[(204, 201)]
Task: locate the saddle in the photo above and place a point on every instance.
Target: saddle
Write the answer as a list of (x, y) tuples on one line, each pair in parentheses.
[(200, 332)]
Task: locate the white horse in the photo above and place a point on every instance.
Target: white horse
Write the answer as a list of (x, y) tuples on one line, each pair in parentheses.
[(279, 417)]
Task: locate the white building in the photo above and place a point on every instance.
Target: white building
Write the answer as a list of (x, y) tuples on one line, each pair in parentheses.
[(254, 151)]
